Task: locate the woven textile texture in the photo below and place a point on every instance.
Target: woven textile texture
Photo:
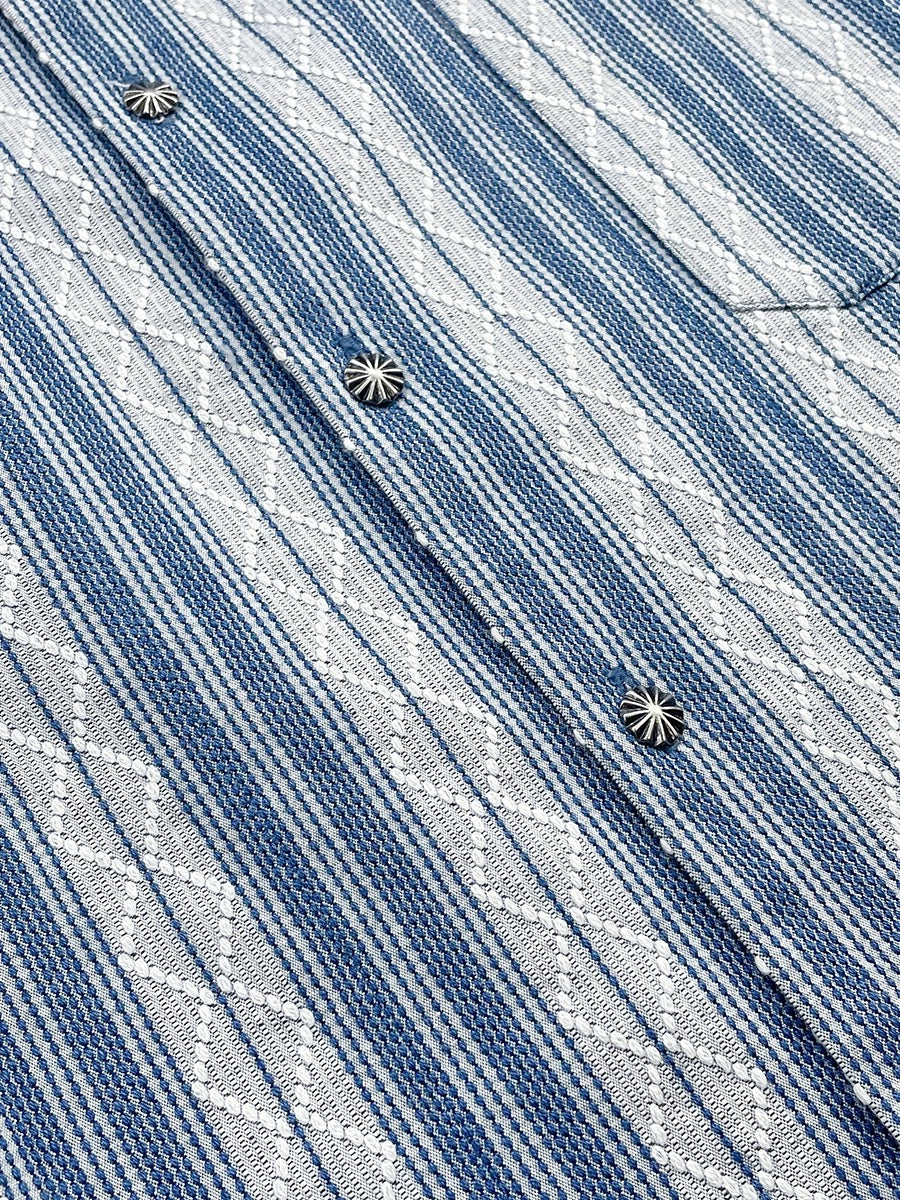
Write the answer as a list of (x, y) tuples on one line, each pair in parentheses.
[(327, 867)]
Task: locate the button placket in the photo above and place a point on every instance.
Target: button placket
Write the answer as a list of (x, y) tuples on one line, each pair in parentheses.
[(373, 379), (652, 716)]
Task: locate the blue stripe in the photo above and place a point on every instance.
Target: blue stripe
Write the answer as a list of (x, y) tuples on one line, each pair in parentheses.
[(874, 21), (719, 351), (154, 1147), (880, 317), (265, 361), (790, 188), (198, 1125), (567, 1116), (696, 804), (725, 361), (51, 1156), (273, 415), (554, 901), (836, 69)]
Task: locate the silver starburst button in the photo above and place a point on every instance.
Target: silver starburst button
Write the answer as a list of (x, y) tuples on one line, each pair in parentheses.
[(150, 100), (652, 716), (373, 378)]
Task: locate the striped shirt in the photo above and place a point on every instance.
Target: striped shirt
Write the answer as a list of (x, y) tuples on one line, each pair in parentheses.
[(329, 866)]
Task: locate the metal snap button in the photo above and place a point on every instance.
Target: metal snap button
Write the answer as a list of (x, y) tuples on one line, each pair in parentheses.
[(653, 717), (150, 100), (373, 378)]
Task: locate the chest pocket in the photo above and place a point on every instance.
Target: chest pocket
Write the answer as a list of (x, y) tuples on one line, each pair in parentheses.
[(765, 154)]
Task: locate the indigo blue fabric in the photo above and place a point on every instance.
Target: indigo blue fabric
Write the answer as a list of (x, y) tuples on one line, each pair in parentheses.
[(327, 865)]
